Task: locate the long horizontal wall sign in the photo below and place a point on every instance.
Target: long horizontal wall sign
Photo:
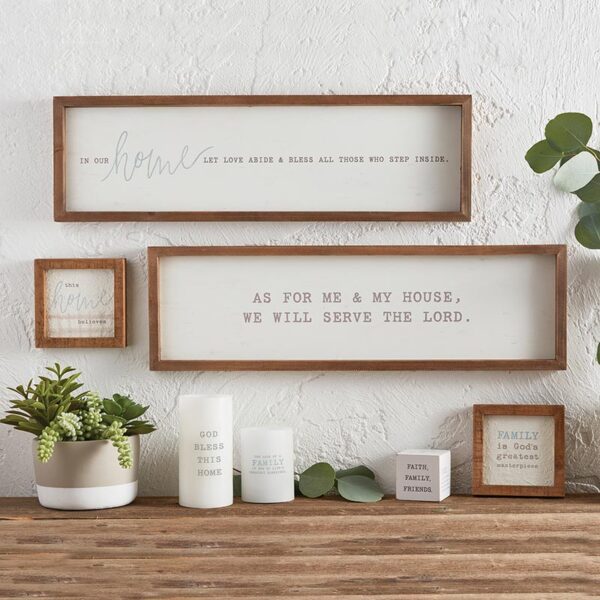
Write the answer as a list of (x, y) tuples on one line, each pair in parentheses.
[(357, 307), (207, 158)]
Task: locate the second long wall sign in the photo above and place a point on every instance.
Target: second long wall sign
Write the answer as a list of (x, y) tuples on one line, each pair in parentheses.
[(202, 158), (361, 307)]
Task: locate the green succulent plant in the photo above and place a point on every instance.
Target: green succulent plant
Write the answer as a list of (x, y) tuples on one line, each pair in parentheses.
[(37, 406), (124, 411), (52, 411), (121, 419)]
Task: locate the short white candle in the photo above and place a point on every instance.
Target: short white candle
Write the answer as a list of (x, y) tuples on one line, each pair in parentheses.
[(267, 464), (205, 451)]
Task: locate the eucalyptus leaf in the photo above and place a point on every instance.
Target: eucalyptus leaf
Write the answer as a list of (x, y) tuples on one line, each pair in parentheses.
[(317, 480), (587, 231), (567, 158), (541, 157), (591, 191), (360, 470), (598, 354), (569, 131), (588, 208), (358, 488), (576, 173)]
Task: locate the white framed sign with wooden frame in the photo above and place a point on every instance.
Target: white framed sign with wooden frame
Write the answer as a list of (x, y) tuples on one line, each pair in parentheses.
[(357, 307), (519, 450), (244, 158), (80, 302)]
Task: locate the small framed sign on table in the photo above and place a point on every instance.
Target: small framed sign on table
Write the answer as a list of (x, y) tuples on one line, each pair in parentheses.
[(518, 450), (80, 303), (262, 158)]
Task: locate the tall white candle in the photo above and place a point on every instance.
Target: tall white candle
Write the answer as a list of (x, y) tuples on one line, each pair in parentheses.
[(205, 451), (267, 464)]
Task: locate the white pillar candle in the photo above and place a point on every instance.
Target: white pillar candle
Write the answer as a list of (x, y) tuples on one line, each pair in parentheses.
[(205, 451), (267, 464)]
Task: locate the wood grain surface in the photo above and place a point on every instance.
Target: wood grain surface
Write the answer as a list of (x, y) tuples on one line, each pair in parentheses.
[(464, 547)]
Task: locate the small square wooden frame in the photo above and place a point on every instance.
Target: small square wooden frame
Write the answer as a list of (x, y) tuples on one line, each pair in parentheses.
[(557, 489), (43, 265)]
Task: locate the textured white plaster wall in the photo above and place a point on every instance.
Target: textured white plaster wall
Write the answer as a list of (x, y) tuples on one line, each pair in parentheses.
[(523, 62)]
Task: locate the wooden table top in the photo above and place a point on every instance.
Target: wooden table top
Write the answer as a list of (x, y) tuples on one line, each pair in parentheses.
[(464, 547)]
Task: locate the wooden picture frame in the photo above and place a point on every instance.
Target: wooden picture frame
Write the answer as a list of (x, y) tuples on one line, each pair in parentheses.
[(116, 322), (523, 461), (162, 359), (315, 199)]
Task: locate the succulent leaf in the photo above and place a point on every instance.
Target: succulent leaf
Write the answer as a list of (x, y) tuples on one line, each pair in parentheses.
[(57, 409)]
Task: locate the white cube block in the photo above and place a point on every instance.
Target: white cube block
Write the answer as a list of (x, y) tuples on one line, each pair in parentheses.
[(423, 475)]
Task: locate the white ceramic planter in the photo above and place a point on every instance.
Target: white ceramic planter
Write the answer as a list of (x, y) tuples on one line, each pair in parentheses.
[(86, 476)]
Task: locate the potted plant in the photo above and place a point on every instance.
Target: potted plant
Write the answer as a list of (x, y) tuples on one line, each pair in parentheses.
[(86, 449)]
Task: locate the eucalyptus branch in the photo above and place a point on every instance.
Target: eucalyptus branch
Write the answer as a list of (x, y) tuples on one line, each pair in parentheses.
[(567, 137)]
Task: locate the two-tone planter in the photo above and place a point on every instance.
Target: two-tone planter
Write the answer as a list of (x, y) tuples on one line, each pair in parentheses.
[(86, 475)]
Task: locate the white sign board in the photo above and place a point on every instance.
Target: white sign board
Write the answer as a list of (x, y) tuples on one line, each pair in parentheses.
[(344, 158), (80, 303), (357, 307), (518, 450)]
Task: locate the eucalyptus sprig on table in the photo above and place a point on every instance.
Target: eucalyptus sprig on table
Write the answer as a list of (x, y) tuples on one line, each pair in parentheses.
[(356, 484)]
